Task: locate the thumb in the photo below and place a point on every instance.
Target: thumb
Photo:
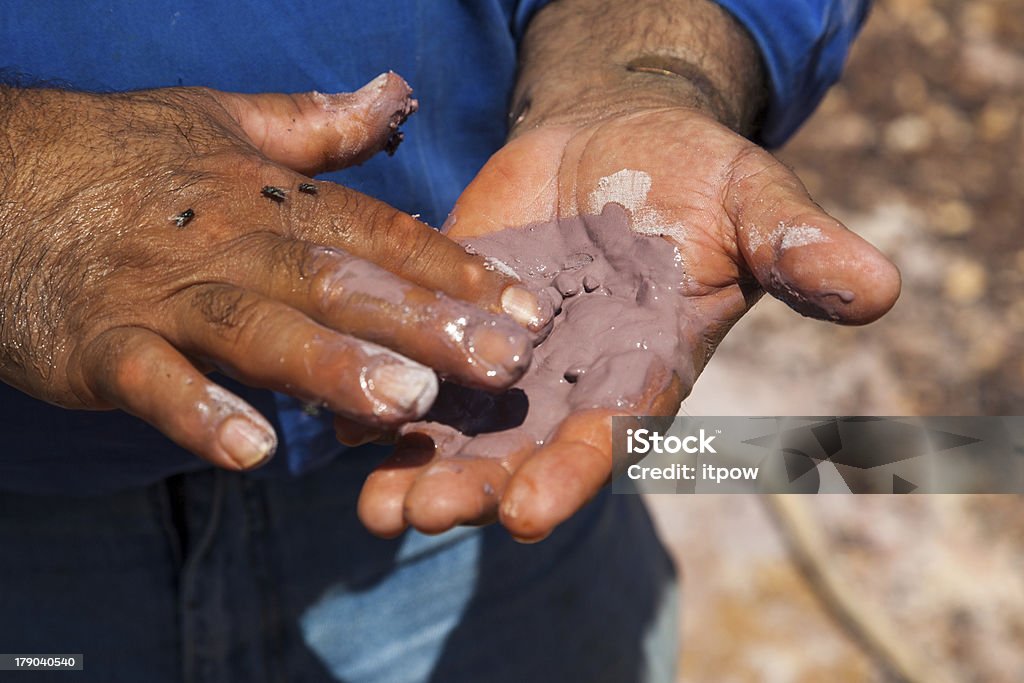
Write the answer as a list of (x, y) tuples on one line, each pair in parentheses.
[(799, 253), (315, 132), (517, 186)]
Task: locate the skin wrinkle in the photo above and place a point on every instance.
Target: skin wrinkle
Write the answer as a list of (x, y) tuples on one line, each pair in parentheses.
[(16, 335), (37, 304), (220, 308), (540, 191), (658, 65), (560, 210), (185, 134)]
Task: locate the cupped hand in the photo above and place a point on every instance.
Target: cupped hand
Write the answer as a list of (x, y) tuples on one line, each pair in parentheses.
[(151, 236), (740, 223)]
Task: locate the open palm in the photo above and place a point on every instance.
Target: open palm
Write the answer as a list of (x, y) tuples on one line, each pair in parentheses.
[(738, 223)]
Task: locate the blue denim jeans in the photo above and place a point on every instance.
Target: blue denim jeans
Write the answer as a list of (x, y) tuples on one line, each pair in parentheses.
[(214, 577)]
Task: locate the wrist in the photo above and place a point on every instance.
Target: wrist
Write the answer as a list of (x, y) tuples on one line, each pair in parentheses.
[(645, 54), (620, 94), (31, 124)]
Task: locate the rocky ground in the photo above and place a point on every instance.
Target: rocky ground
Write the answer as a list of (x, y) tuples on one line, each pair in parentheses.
[(921, 150)]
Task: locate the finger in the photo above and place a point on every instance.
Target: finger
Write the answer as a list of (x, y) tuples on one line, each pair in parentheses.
[(356, 297), (382, 498), (491, 203), (802, 255), (139, 372), (268, 344), (561, 477), (315, 132), (371, 230), (576, 462), (465, 488)]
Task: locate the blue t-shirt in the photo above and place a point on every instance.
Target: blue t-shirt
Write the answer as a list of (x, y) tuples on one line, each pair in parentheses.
[(804, 44), (459, 56)]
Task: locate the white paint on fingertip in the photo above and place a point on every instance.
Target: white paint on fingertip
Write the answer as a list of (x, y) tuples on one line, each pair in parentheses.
[(241, 430), (341, 103), (221, 404), (322, 100), (801, 236), (784, 237), (393, 383), (379, 82), (407, 388)]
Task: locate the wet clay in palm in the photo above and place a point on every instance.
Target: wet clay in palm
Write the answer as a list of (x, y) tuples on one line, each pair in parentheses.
[(618, 325)]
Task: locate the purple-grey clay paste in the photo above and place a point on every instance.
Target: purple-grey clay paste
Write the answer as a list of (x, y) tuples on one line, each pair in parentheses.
[(620, 320)]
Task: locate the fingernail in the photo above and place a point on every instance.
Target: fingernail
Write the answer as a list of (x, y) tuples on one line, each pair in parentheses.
[(525, 308), (507, 351), (403, 388), (248, 445)]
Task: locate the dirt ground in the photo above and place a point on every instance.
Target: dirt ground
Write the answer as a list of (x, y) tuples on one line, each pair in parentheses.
[(921, 150)]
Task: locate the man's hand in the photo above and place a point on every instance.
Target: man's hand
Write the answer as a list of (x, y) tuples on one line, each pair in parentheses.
[(149, 236), (742, 223)]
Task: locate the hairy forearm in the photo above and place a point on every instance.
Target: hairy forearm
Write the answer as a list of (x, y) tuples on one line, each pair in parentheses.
[(30, 122), (583, 60), (31, 244), (8, 98)]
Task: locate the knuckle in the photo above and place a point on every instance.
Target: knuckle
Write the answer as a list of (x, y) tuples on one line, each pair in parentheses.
[(324, 274), (218, 306), (386, 218), (336, 280), (252, 321), (343, 224), (333, 219), (229, 312), (294, 261), (130, 370), (404, 243), (383, 226), (474, 276)]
